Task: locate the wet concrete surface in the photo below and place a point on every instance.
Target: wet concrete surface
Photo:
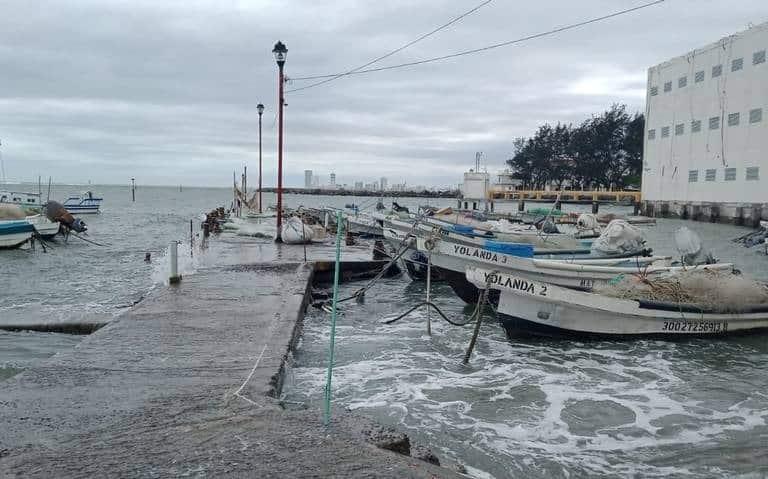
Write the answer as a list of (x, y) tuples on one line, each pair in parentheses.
[(183, 384)]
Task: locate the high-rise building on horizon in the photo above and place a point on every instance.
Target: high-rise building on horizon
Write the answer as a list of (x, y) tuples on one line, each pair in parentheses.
[(332, 184), (307, 179), (383, 184)]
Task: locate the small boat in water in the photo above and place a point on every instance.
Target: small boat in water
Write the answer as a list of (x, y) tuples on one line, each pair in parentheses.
[(23, 199), (533, 307), (14, 233), (46, 228), (84, 204)]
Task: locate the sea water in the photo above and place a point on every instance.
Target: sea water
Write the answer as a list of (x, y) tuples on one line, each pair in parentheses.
[(521, 408)]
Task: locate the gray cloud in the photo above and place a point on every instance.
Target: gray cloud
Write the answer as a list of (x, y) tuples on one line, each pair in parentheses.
[(166, 91)]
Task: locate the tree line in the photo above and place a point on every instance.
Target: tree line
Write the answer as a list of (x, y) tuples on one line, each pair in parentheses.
[(604, 151)]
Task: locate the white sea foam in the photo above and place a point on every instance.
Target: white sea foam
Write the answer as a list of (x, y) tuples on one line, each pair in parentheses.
[(540, 408), (187, 263)]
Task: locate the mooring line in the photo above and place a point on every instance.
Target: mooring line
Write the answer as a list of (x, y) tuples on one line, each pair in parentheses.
[(258, 360)]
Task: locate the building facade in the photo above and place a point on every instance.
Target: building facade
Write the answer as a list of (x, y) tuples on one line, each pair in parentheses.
[(706, 136), (307, 179)]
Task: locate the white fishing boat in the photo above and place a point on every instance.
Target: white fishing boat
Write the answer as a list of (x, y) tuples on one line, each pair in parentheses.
[(364, 224), (24, 199), (543, 244), (529, 306), (44, 227), (579, 273), (87, 203), (14, 233)]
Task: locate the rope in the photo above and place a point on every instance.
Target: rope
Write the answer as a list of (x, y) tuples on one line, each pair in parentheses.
[(405, 244)]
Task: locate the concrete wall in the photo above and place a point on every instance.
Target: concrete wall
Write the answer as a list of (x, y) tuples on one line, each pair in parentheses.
[(476, 185), (686, 165)]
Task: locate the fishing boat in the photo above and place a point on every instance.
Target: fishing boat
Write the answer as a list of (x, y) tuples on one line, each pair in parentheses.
[(584, 273), (44, 227), (534, 307), (364, 224), (14, 233), (24, 199), (84, 204)]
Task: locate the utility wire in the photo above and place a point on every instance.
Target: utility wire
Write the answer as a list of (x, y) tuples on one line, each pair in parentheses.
[(488, 47), (330, 78)]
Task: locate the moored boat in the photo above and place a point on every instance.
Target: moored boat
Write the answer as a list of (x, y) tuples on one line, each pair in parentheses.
[(583, 273), (44, 227), (87, 203), (534, 307), (14, 233)]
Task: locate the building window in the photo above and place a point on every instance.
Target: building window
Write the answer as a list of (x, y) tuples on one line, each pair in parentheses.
[(651, 134), (695, 126), (711, 175), (654, 90), (699, 76), (753, 173), (733, 119), (714, 123), (664, 131), (758, 57), (756, 115), (730, 174), (667, 86), (679, 129), (717, 70), (737, 64), (682, 82), (693, 176)]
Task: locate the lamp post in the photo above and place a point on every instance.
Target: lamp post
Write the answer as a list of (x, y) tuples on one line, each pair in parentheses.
[(281, 53), (260, 108)]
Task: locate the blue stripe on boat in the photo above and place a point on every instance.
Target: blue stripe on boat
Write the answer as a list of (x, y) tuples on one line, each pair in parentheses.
[(13, 227), (522, 250)]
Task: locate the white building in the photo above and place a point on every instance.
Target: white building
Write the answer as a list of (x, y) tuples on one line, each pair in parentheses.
[(307, 178), (706, 138), (383, 184), (505, 181), (332, 184)]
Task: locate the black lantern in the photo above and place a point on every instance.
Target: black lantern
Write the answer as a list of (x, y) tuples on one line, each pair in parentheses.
[(281, 53)]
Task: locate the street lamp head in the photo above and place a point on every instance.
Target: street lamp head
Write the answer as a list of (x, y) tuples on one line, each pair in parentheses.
[(260, 108), (281, 53)]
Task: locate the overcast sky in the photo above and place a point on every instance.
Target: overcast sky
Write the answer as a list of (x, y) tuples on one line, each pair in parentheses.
[(166, 90)]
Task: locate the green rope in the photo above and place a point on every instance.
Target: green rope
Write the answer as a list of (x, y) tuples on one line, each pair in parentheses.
[(339, 229)]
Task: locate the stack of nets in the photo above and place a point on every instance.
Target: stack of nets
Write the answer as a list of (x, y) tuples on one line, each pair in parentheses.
[(719, 291)]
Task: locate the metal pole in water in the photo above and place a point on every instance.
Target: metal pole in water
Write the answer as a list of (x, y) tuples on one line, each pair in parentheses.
[(174, 278), (191, 239), (333, 319), (133, 189), (429, 288)]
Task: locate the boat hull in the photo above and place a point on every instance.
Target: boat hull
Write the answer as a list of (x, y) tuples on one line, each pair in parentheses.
[(532, 307), (82, 210), (15, 233)]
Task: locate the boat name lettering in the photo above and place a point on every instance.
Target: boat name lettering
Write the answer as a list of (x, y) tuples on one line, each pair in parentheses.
[(479, 253), (696, 326), (516, 283)]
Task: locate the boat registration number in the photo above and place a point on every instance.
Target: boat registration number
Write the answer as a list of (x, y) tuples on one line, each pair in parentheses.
[(696, 326)]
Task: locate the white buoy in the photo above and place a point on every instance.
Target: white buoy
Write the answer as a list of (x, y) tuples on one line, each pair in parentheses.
[(175, 277)]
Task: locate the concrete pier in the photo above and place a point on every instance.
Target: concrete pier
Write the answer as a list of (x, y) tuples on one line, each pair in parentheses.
[(185, 384)]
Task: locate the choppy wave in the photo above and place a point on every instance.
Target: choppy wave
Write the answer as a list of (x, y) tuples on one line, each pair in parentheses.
[(540, 408)]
